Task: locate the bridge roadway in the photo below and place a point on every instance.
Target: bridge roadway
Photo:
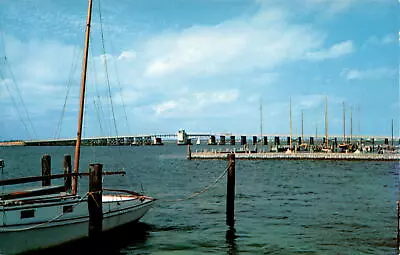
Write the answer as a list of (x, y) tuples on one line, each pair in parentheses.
[(148, 139)]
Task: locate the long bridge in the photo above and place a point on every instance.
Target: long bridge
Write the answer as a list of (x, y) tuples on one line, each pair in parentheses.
[(181, 137)]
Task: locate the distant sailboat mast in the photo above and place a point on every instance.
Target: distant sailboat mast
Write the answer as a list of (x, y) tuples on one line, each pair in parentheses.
[(302, 125), (392, 132), (351, 124), (261, 120), (326, 121), (290, 117), (344, 124)]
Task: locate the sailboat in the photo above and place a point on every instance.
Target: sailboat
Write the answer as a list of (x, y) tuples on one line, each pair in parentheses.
[(198, 141), (50, 216)]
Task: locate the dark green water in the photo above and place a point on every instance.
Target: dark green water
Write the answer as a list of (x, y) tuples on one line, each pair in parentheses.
[(282, 207)]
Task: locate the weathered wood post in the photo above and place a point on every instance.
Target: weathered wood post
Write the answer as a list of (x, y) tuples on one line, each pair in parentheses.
[(67, 170), (230, 191), (373, 144), (189, 152), (398, 225), (95, 205), (2, 165), (46, 169)]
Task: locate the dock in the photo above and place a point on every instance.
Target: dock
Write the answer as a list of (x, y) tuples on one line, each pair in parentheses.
[(299, 156)]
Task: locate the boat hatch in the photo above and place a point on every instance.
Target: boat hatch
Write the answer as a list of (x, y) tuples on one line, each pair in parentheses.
[(25, 214), (67, 209)]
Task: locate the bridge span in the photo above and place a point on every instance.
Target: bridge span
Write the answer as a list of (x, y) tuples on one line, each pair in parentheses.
[(182, 137)]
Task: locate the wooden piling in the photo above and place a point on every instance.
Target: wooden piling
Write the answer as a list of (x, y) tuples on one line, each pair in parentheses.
[(276, 140), (254, 140), (243, 140), (373, 144), (189, 152), (232, 140), (398, 226), (2, 165), (222, 140), (265, 140), (46, 169), (67, 170), (230, 191), (95, 205)]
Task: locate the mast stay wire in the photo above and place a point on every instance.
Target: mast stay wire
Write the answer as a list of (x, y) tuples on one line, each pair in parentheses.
[(98, 105), (119, 86), (19, 95), (68, 86), (106, 70), (109, 90), (15, 105), (108, 84)]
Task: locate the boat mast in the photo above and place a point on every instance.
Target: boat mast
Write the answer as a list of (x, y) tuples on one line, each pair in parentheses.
[(82, 100), (392, 133), (261, 120), (344, 124), (302, 125), (290, 115), (351, 124), (326, 121)]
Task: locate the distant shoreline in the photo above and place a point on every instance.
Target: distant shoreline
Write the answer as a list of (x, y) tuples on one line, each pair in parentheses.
[(13, 143)]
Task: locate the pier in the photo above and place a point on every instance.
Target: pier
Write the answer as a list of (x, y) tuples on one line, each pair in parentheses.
[(298, 156)]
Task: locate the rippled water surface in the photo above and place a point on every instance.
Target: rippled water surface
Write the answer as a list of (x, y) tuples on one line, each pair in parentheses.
[(281, 207)]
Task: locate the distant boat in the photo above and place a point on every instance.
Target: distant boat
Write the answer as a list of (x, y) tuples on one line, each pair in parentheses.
[(53, 215), (198, 141)]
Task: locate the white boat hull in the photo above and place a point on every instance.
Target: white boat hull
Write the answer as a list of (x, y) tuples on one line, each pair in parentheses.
[(20, 235)]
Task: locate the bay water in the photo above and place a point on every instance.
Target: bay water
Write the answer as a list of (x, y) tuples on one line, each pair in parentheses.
[(281, 207)]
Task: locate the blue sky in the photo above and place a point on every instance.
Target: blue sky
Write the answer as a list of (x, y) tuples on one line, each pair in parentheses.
[(199, 65)]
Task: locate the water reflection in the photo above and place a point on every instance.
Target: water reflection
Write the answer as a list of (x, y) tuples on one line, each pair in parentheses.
[(230, 237), (113, 242)]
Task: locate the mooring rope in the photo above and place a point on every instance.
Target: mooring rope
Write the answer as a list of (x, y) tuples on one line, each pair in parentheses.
[(195, 194), (49, 221)]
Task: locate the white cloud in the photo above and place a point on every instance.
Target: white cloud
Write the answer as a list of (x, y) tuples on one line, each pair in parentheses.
[(336, 51), (195, 103), (375, 40), (169, 105), (377, 73), (333, 5), (337, 6), (128, 55), (389, 38), (105, 57), (265, 40)]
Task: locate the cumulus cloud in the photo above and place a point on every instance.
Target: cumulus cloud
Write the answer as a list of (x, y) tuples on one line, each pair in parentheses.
[(383, 40), (376, 73), (337, 6), (265, 40), (336, 51), (195, 103), (333, 5), (128, 55)]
